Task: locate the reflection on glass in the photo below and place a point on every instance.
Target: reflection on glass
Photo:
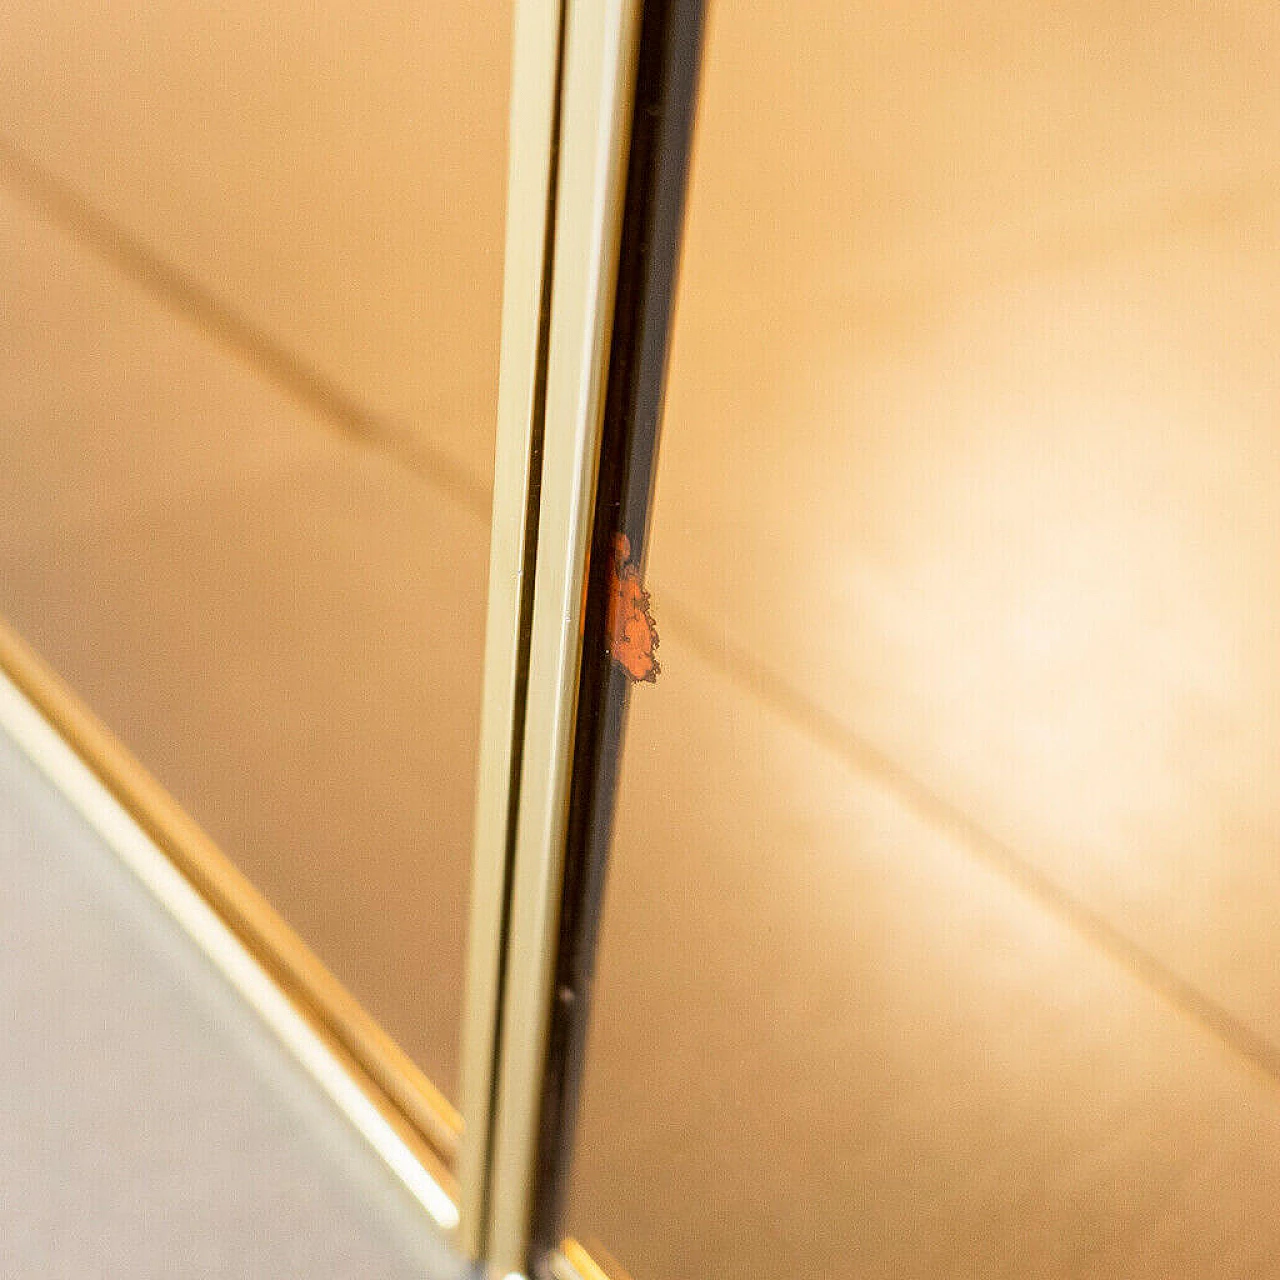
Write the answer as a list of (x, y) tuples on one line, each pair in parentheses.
[(249, 341), (940, 921)]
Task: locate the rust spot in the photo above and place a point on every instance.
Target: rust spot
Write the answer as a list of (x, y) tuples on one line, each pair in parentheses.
[(633, 634)]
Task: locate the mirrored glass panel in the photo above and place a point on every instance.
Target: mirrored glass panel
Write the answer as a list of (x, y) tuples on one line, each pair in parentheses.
[(250, 283), (939, 932)]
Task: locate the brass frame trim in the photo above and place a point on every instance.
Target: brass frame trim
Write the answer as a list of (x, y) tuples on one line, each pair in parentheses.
[(573, 1261), (531, 186), (361, 1069), (598, 74)]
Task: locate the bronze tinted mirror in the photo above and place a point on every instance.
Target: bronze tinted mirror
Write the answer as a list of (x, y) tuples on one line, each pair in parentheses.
[(252, 287)]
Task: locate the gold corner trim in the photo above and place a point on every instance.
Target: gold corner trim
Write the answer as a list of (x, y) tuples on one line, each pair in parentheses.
[(575, 1262), (600, 49), (531, 167), (420, 1114)]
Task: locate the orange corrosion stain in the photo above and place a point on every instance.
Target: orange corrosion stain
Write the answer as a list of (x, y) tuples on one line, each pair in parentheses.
[(633, 634)]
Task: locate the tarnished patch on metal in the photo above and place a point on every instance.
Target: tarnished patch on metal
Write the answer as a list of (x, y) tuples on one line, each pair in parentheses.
[(633, 634)]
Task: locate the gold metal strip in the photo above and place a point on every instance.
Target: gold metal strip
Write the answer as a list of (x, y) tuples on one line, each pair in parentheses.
[(388, 1134), (574, 1262), (598, 80), (530, 182), (421, 1115)]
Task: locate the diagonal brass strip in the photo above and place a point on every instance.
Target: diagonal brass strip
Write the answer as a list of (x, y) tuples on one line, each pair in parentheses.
[(575, 1262), (408, 1100)]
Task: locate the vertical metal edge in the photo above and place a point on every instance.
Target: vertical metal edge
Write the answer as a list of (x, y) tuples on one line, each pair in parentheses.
[(598, 78), (667, 68), (531, 160)]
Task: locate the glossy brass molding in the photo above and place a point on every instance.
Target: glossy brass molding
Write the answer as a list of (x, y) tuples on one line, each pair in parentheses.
[(531, 172), (598, 76), (420, 1116)]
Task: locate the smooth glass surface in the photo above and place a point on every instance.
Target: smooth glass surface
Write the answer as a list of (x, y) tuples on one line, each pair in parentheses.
[(940, 931), (250, 282)]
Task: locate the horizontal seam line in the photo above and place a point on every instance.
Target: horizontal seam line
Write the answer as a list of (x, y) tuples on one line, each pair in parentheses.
[(940, 814), (68, 209)]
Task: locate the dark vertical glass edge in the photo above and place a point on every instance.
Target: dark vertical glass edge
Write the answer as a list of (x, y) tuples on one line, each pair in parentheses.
[(669, 57)]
